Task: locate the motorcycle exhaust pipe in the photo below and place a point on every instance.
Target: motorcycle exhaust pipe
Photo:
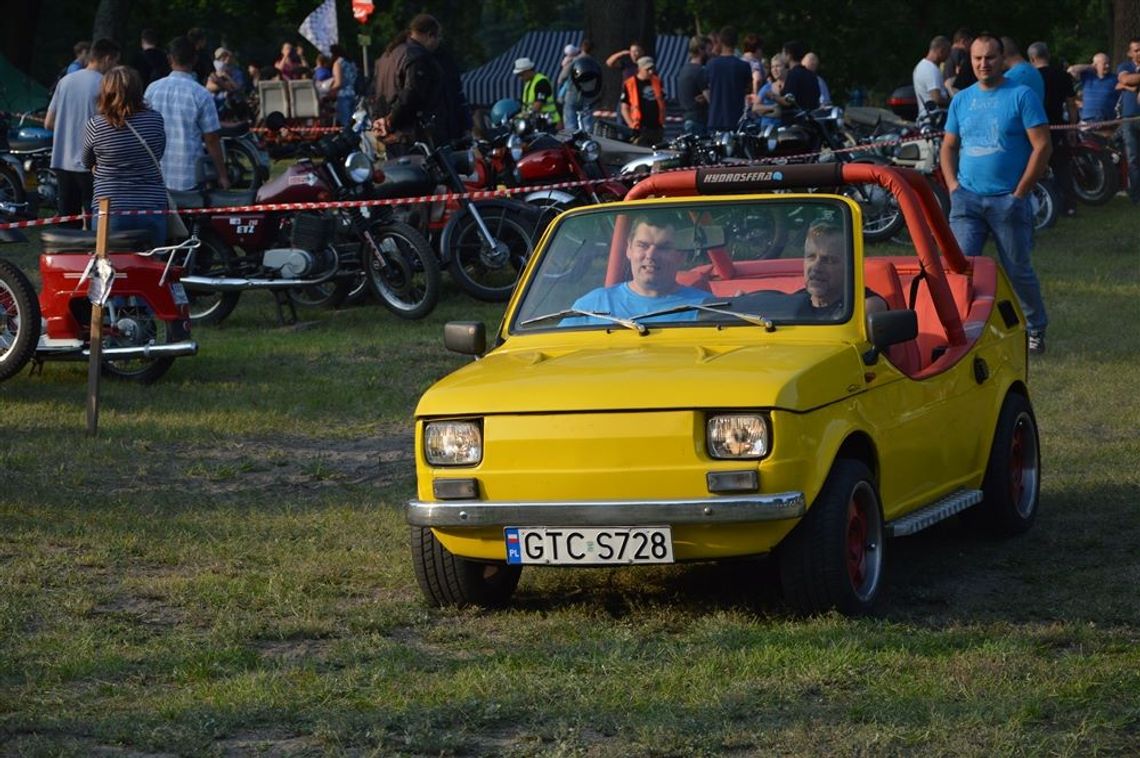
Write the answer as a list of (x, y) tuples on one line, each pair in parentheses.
[(168, 350), (223, 284)]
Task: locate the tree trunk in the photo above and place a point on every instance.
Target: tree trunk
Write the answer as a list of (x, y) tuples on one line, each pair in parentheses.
[(19, 35), (1125, 25), (111, 21), (612, 25)]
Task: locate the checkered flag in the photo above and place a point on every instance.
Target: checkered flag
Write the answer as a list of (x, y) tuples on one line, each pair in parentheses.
[(319, 27)]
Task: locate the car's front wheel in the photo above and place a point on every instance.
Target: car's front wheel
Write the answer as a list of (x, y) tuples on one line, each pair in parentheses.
[(833, 559), (446, 579)]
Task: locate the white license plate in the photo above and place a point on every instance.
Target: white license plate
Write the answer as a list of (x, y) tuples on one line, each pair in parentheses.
[(179, 293), (575, 546)]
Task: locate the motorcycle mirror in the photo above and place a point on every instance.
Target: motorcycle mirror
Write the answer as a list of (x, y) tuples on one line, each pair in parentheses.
[(275, 121)]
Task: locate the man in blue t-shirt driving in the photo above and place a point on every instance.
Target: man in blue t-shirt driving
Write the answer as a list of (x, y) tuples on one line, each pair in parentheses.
[(654, 262)]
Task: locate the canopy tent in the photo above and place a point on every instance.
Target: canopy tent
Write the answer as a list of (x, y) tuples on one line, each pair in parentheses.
[(495, 79), (19, 93)]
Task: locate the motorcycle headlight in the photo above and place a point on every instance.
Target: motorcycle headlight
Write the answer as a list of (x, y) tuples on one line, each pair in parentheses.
[(738, 435), (591, 150), (453, 443), (358, 167), (514, 144)]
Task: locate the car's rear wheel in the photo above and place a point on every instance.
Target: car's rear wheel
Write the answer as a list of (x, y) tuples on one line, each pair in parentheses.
[(1012, 485), (833, 559), (446, 579)]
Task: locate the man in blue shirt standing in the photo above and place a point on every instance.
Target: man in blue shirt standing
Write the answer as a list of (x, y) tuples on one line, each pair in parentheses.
[(1098, 88), (730, 83), (996, 147), (1128, 83)]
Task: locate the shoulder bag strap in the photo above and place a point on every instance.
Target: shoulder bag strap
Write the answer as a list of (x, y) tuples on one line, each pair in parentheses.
[(169, 199)]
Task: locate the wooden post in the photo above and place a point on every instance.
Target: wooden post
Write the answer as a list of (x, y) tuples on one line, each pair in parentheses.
[(94, 364)]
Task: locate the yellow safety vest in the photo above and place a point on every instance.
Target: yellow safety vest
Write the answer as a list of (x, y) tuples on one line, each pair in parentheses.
[(550, 108)]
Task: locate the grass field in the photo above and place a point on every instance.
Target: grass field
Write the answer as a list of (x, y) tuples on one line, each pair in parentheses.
[(225, 570)]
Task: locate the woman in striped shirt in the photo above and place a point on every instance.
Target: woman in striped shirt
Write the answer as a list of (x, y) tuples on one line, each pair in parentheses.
[(124, 169)]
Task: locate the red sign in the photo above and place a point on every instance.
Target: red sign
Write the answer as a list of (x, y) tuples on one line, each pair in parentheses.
[(362, 9)]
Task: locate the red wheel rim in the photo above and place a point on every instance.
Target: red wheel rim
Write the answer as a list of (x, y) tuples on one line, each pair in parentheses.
[(856, 542), (1017, 463)]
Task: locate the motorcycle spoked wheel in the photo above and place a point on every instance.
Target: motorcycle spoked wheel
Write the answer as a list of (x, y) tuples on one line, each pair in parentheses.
[(1045, 201), (19, 320), (1095, 178), (214, 259), (132, 323), (402, 269), (882, 217), (484, 274), (327, 294), (762, 233), (242, 166), (358, 290), (11, 188)]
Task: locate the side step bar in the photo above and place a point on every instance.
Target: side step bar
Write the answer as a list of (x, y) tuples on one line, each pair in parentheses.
[(955, 502)]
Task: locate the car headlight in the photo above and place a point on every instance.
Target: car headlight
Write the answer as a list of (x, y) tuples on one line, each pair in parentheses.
[(358, 167), (453, 443), (738, 435)]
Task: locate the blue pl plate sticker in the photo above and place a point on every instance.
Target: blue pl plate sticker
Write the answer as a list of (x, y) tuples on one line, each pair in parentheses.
[(514, 548)]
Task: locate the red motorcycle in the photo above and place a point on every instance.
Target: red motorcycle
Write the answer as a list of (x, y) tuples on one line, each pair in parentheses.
[(1099, 168), (146, 315), (314, 257)]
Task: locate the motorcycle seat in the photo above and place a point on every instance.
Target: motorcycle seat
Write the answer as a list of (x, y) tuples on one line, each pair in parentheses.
[(83, 240), (188, 199), (227, 198)]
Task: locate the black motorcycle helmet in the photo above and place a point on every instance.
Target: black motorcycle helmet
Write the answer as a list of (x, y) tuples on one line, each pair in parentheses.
[(586, 75)]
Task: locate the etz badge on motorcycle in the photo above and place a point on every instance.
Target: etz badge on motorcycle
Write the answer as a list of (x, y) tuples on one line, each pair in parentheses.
[(722, 372)]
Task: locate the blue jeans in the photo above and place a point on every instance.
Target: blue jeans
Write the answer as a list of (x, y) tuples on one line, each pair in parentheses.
[(578, 117), (153, 223), (1130, 131), (974, 217)]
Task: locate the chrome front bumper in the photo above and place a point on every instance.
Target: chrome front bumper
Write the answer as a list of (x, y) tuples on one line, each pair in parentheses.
[(713, 510)]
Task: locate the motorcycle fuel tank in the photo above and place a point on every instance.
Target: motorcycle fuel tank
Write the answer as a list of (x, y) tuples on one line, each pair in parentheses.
[(300, 183), (545, 165)]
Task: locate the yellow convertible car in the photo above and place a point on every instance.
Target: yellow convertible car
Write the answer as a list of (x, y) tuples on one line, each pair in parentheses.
[(714, 368)]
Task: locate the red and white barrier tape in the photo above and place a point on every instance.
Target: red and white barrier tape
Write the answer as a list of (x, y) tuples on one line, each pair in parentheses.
[(477, 194)]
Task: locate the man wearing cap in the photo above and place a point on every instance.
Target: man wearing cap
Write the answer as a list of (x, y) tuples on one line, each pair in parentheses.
[(538, 92), (643, 103)]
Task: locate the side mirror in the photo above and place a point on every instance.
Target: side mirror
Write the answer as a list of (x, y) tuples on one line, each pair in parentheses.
[(892, 327), (470, 337)]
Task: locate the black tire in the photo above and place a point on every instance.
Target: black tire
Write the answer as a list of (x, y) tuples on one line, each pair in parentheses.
[(882, 217), (1046, 204), (1095, 178), (11, 188), (19, 320), (402, 269), (482, 273), (1011, 488), (213, 258), (243, 165), (328, 294), (131, 324), (448, 580), (358, 289), (834, 558)]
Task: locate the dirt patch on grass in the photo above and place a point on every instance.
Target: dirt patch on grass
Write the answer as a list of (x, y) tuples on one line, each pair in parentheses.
[(270, 742)]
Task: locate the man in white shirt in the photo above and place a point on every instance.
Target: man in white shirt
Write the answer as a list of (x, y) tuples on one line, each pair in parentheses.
[(927, 76)]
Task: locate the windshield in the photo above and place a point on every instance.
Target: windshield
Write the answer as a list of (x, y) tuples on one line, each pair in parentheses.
[(761, 262)]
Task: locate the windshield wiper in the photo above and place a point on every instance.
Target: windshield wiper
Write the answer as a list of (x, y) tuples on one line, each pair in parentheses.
[(627, 323), (752, 318)]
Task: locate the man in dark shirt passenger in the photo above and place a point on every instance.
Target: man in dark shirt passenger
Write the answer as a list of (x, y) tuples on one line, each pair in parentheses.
[(730, 83), (693, 86), (800, 82), (1060, 108), (961, 71)]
